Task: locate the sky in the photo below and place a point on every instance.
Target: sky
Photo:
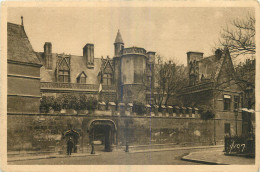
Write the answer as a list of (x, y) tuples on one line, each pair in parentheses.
[(169, 31)]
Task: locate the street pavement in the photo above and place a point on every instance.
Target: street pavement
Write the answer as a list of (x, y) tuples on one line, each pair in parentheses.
[(211, 155), (115, 158), (168, 156), (217, 157)]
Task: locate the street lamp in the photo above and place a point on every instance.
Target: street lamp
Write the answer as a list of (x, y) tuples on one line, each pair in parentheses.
[(236, 114)]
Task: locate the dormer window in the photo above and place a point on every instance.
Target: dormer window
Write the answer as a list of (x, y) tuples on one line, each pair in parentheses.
[(63, 69), (82, 78), (107, 73)]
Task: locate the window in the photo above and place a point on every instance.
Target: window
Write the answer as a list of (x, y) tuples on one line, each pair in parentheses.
[(227, 129), (236, 102), (227, 102), (64, 76), (63, 69), (107, 79), (82, 78)]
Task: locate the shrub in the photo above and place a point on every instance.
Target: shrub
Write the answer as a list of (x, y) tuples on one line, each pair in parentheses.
[(82, 100), (56, 106), (91, 103), (139, 108), (46, 103), (207, 114)]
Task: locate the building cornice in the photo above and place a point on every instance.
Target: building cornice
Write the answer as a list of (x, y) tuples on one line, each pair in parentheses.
[(24, 63), (23, 76), (24, 95)]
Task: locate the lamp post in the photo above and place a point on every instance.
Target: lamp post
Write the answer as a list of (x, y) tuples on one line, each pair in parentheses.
[(236, 114), (92, 145)]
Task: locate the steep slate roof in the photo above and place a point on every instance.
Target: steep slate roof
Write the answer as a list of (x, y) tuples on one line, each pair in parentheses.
[(119, 38), (210, 66), (77, 66), (19, 47)]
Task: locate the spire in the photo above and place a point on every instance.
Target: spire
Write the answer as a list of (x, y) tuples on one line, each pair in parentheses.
[(22, 20), (119, 38)]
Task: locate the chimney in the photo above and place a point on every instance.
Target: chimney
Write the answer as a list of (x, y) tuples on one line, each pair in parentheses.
[(218, 53), (88, 55), (151, 56), (194, 56), (48, 55)]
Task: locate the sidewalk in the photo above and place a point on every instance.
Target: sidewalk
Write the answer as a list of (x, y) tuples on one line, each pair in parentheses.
[(176, 148), (54, 155), (34, 155), (217, 157)]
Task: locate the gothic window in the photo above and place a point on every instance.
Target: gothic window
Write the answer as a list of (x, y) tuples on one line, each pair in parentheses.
[(82, 78), (107, 79), (227, 101), (63, 70)]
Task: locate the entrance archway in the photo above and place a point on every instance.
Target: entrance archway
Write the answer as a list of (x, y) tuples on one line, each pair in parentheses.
[(103, 131)]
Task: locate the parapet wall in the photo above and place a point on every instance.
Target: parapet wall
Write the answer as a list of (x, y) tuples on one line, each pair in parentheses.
[(44, 131)]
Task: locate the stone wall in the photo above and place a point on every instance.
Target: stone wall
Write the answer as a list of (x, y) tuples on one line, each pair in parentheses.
[(23, 92), (45, 131)]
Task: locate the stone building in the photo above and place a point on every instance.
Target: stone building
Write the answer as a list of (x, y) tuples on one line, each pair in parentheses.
[(125, 78), (23, 72), (213, 86), (122, 78)]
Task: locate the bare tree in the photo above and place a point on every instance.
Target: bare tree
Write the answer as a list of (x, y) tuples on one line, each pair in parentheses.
[(169, 78), (239, 36)]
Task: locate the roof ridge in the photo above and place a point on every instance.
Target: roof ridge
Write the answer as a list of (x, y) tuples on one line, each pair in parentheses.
[(14, 24)]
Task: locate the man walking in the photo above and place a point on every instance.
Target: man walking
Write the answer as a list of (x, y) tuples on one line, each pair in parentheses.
[(69, 146)]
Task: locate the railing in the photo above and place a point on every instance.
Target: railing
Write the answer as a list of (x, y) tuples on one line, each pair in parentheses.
[(134, 50), (208, 85), (74, 86)]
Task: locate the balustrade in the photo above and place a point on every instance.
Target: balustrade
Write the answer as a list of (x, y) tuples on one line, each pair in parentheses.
[(58, 85)]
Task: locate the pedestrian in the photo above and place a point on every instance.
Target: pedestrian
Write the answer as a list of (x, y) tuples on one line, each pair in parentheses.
[(69, 146)]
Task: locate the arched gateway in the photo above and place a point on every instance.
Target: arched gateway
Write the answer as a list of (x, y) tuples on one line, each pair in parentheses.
[(104, 131)]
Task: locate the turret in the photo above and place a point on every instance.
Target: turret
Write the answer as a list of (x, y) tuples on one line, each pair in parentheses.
[(119, 44)]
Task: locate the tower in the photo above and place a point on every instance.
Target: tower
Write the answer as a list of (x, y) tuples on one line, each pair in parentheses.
[(119, 44), (133, 75)]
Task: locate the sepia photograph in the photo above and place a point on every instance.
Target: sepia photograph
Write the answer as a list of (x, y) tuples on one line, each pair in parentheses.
[(130, 85)]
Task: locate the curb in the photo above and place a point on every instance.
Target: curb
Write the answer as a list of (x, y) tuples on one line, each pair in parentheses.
[(178, 148), (50, 157), (186, 158), (202, 161)]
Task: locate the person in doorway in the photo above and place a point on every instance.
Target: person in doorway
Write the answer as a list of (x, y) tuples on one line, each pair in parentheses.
[(69, 146)]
